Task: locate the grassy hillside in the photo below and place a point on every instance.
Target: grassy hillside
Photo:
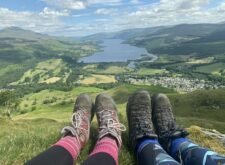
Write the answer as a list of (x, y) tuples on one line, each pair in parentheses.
[(44, 79), (20, 50), (185, 39), (33, 130)]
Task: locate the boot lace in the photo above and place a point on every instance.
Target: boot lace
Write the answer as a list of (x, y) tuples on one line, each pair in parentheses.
[(110, 124), (76, 125)]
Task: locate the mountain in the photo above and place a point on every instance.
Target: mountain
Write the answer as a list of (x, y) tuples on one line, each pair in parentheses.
[(124, 34), (185, 39), (22, 49), (15, 32)]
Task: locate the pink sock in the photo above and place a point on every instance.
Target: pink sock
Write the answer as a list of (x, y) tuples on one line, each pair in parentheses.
[(70, 144), (107, 145)]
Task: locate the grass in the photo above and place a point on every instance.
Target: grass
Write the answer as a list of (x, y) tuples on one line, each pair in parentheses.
[(52, 80), (201, 61), (48, 71), (215, 68), (147, 71), (9, 68), (31, 133), (115, 70), (199, 107), (110, 69), (199, 137), (21, 140), (98, 79), (51, 104)]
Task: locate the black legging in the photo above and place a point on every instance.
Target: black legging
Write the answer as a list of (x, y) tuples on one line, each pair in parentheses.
[(57, 155)]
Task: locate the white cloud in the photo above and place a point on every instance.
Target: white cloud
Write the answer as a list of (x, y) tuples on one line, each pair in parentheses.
[(67, 4), (50, 12), (182, 4), (45, 21), (168, 12), (165, 12), (221, 7), (79, 4), (107, 11), (102, 1)]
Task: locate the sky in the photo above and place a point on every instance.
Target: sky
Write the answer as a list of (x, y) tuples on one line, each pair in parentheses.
[(85, 17)]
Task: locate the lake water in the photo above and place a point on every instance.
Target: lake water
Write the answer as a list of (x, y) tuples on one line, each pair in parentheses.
[(116, 51)]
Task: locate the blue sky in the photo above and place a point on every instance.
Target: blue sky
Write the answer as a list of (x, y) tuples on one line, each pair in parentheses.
[(84, 17)]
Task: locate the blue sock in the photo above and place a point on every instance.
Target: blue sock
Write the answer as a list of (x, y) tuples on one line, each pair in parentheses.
[(175, 145), (144, 142)]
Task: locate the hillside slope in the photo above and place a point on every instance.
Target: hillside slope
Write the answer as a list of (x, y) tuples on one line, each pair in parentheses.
[(186, 39), (33, 130), (21, 49)]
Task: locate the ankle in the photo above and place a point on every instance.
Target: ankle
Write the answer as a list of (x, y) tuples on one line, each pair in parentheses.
[(110, 137), (107, 145), (141, 143), (175, 145)]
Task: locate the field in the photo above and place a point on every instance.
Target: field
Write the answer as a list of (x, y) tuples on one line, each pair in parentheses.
[(46, 71), (146, 71), (97, 79), (216, 69), (33, 130), (201, 61), (107, 69)]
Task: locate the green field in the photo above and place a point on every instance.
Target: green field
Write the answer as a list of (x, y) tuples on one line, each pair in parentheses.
[(33, 130), (215, 69), (146, 71), (49, 71), (107, 69)]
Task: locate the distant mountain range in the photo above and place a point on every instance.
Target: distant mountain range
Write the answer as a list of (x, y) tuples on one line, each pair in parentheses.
[(184, 39)]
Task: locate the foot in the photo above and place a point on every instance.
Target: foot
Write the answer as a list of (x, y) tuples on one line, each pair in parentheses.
[(107, 117), (164, 121), (81, 119), (139, 117)]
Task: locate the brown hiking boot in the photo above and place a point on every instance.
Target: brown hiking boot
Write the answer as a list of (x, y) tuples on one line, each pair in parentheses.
[(139, 117), (164, 121), (107, 117), (81, 118)]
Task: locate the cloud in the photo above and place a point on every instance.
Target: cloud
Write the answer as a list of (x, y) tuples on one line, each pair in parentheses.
[(102, 1), (168, 12), (79, 4), (67, 4), (45, 21), (53, 13), (162, 13), (182, 4), (221, 7), (106, 11)]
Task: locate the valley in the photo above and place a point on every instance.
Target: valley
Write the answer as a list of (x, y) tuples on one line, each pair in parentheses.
[(41, 76)]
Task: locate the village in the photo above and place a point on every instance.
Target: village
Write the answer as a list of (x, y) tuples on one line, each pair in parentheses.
[(179, 84)]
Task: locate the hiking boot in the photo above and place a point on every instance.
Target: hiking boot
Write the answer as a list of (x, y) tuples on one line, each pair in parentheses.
[(81, 119), (139, 117), (107, 117), (164, 121)]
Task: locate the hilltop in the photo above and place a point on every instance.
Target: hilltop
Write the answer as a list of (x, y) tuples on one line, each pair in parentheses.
[(42, 114)]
